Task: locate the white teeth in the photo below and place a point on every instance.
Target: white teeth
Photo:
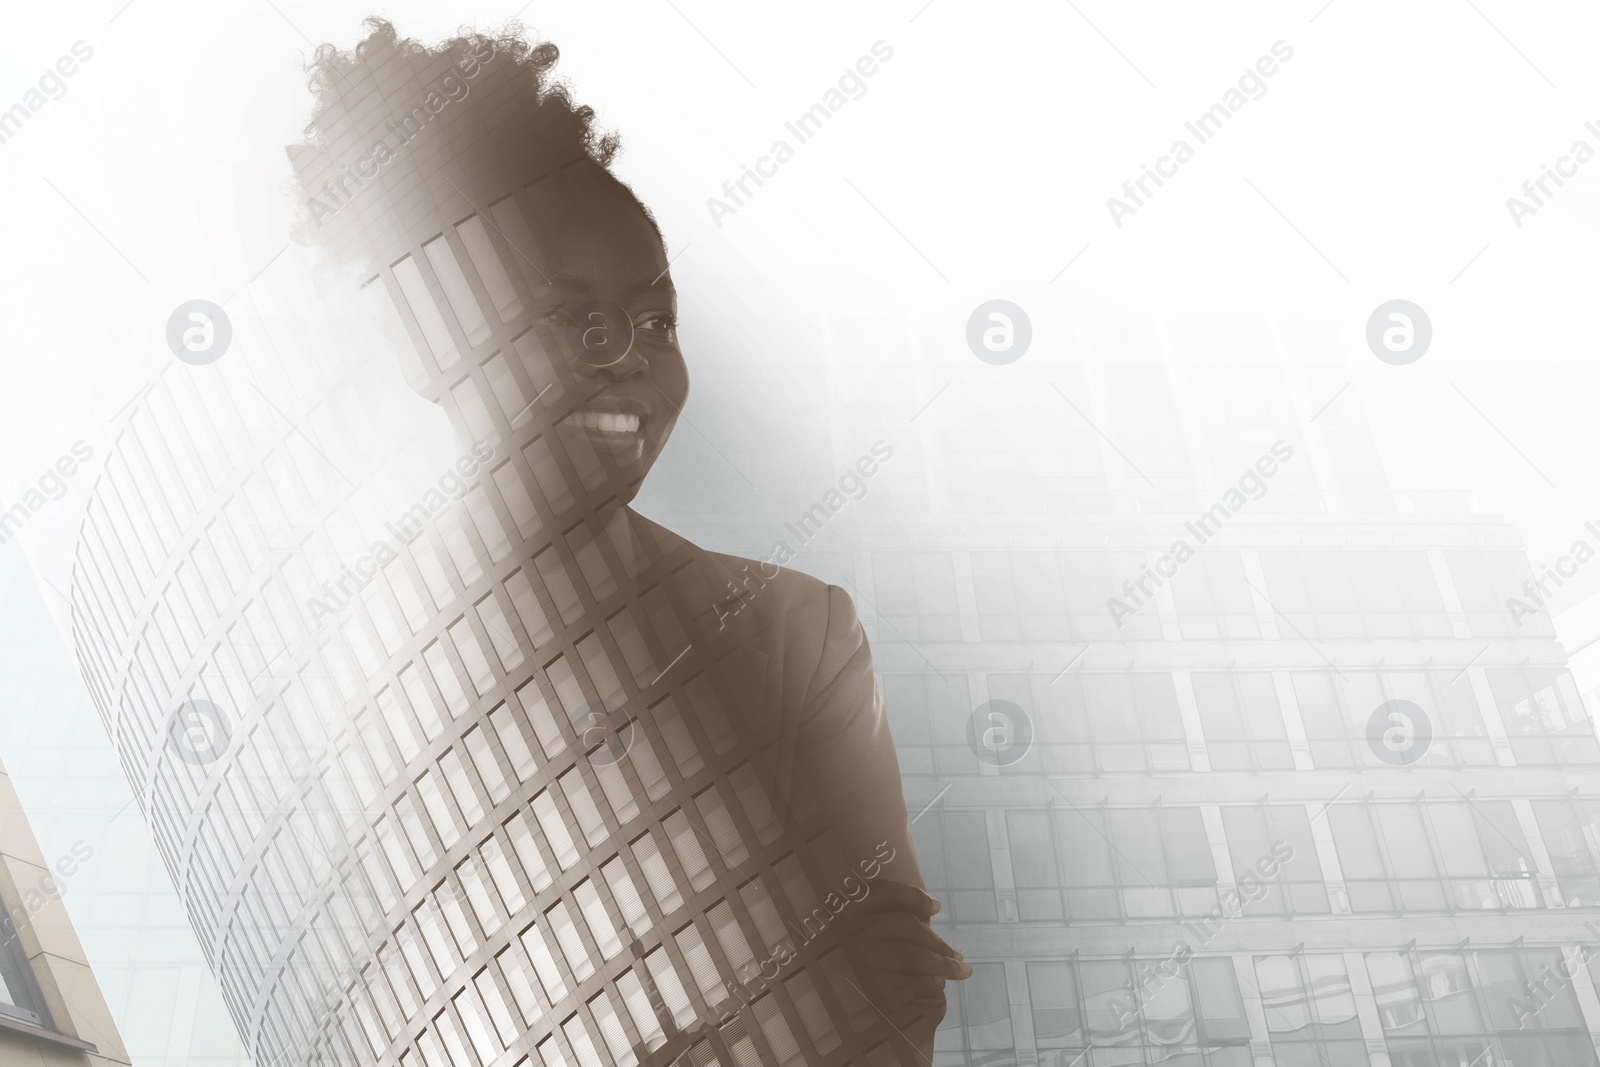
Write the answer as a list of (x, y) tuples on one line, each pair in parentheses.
[(607, 422)]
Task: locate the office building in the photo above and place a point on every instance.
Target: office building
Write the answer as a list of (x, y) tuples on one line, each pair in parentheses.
[(51, 1010), (1183, 840)]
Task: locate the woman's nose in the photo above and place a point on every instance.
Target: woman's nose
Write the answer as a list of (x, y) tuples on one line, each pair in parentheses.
[(631, 365), (601, 335)]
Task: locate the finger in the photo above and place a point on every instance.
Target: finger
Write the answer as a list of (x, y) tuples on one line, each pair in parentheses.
[(898, 957), (909, 935), (899, 926), (918, 938), (886, 895)]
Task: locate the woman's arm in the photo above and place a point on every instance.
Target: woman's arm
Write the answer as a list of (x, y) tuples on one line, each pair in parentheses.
[(847, 757)]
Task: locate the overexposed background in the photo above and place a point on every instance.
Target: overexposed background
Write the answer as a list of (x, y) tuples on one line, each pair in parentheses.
[(977, 165)]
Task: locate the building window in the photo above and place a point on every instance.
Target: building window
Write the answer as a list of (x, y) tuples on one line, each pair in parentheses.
[(1155, 1011), (1336, 708), (915, 594), (1059, 596), (1571, 833), (1258, 838), (1544, 717), (1108, 864), (1212, 598), (1035, 867), (977, 1021), (1486, 581), (1436, 856), (19, 991), (928, 718), (1242, 720), (1094, 723), (953, 851), (1366, 594), (1511, 1006), (1311, 1011)]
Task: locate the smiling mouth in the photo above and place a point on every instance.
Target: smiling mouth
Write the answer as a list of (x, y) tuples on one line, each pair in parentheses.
[(605, 422)]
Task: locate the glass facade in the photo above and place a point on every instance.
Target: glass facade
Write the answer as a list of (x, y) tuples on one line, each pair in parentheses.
[(1203, 779), (1310, 1010), (1436, 856), (1499, 1006), (1138, 1012)]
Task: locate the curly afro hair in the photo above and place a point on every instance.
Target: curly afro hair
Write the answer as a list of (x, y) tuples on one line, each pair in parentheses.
[(401, 128)]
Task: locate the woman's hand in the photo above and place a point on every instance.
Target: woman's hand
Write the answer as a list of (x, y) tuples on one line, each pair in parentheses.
[(909, 963)]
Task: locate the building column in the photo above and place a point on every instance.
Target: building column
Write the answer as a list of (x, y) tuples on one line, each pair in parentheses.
[(1328, 857), (1022, 1036), (1189, 712), (966, 596), (1005, 886), (1260, 1037), (1166, 607), (1211, 816), (1367, 1009), (1583, 988), (1266, 618), (1293, 724), (1492, 723), (978, 694), (1549, 888), (1493, 727), (1447, 593)]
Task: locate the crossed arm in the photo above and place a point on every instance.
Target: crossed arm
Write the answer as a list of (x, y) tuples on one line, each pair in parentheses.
[(850, 760)]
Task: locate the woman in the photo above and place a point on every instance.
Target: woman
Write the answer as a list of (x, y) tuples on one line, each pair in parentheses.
[(708, 759)]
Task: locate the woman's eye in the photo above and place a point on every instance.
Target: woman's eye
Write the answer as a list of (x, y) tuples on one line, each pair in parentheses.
[(659, 322)]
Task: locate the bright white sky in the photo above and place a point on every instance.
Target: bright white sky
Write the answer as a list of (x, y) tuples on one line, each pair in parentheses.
[(1377, 166)]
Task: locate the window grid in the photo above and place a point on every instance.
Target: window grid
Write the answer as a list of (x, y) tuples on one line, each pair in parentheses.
[(1139, 1011), (1110, 865), (1434, 856), (1470, 1006), (1336, 710)]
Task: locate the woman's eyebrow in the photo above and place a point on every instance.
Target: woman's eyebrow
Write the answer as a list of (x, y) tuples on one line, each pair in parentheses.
[(578, 285), (570, 281), (659, 284)]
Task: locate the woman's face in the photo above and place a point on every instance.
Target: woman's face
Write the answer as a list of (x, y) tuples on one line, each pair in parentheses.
[(608, 278)]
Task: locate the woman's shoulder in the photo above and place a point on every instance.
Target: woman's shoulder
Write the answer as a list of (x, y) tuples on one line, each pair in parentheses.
[(759, 601), (767, 591)]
